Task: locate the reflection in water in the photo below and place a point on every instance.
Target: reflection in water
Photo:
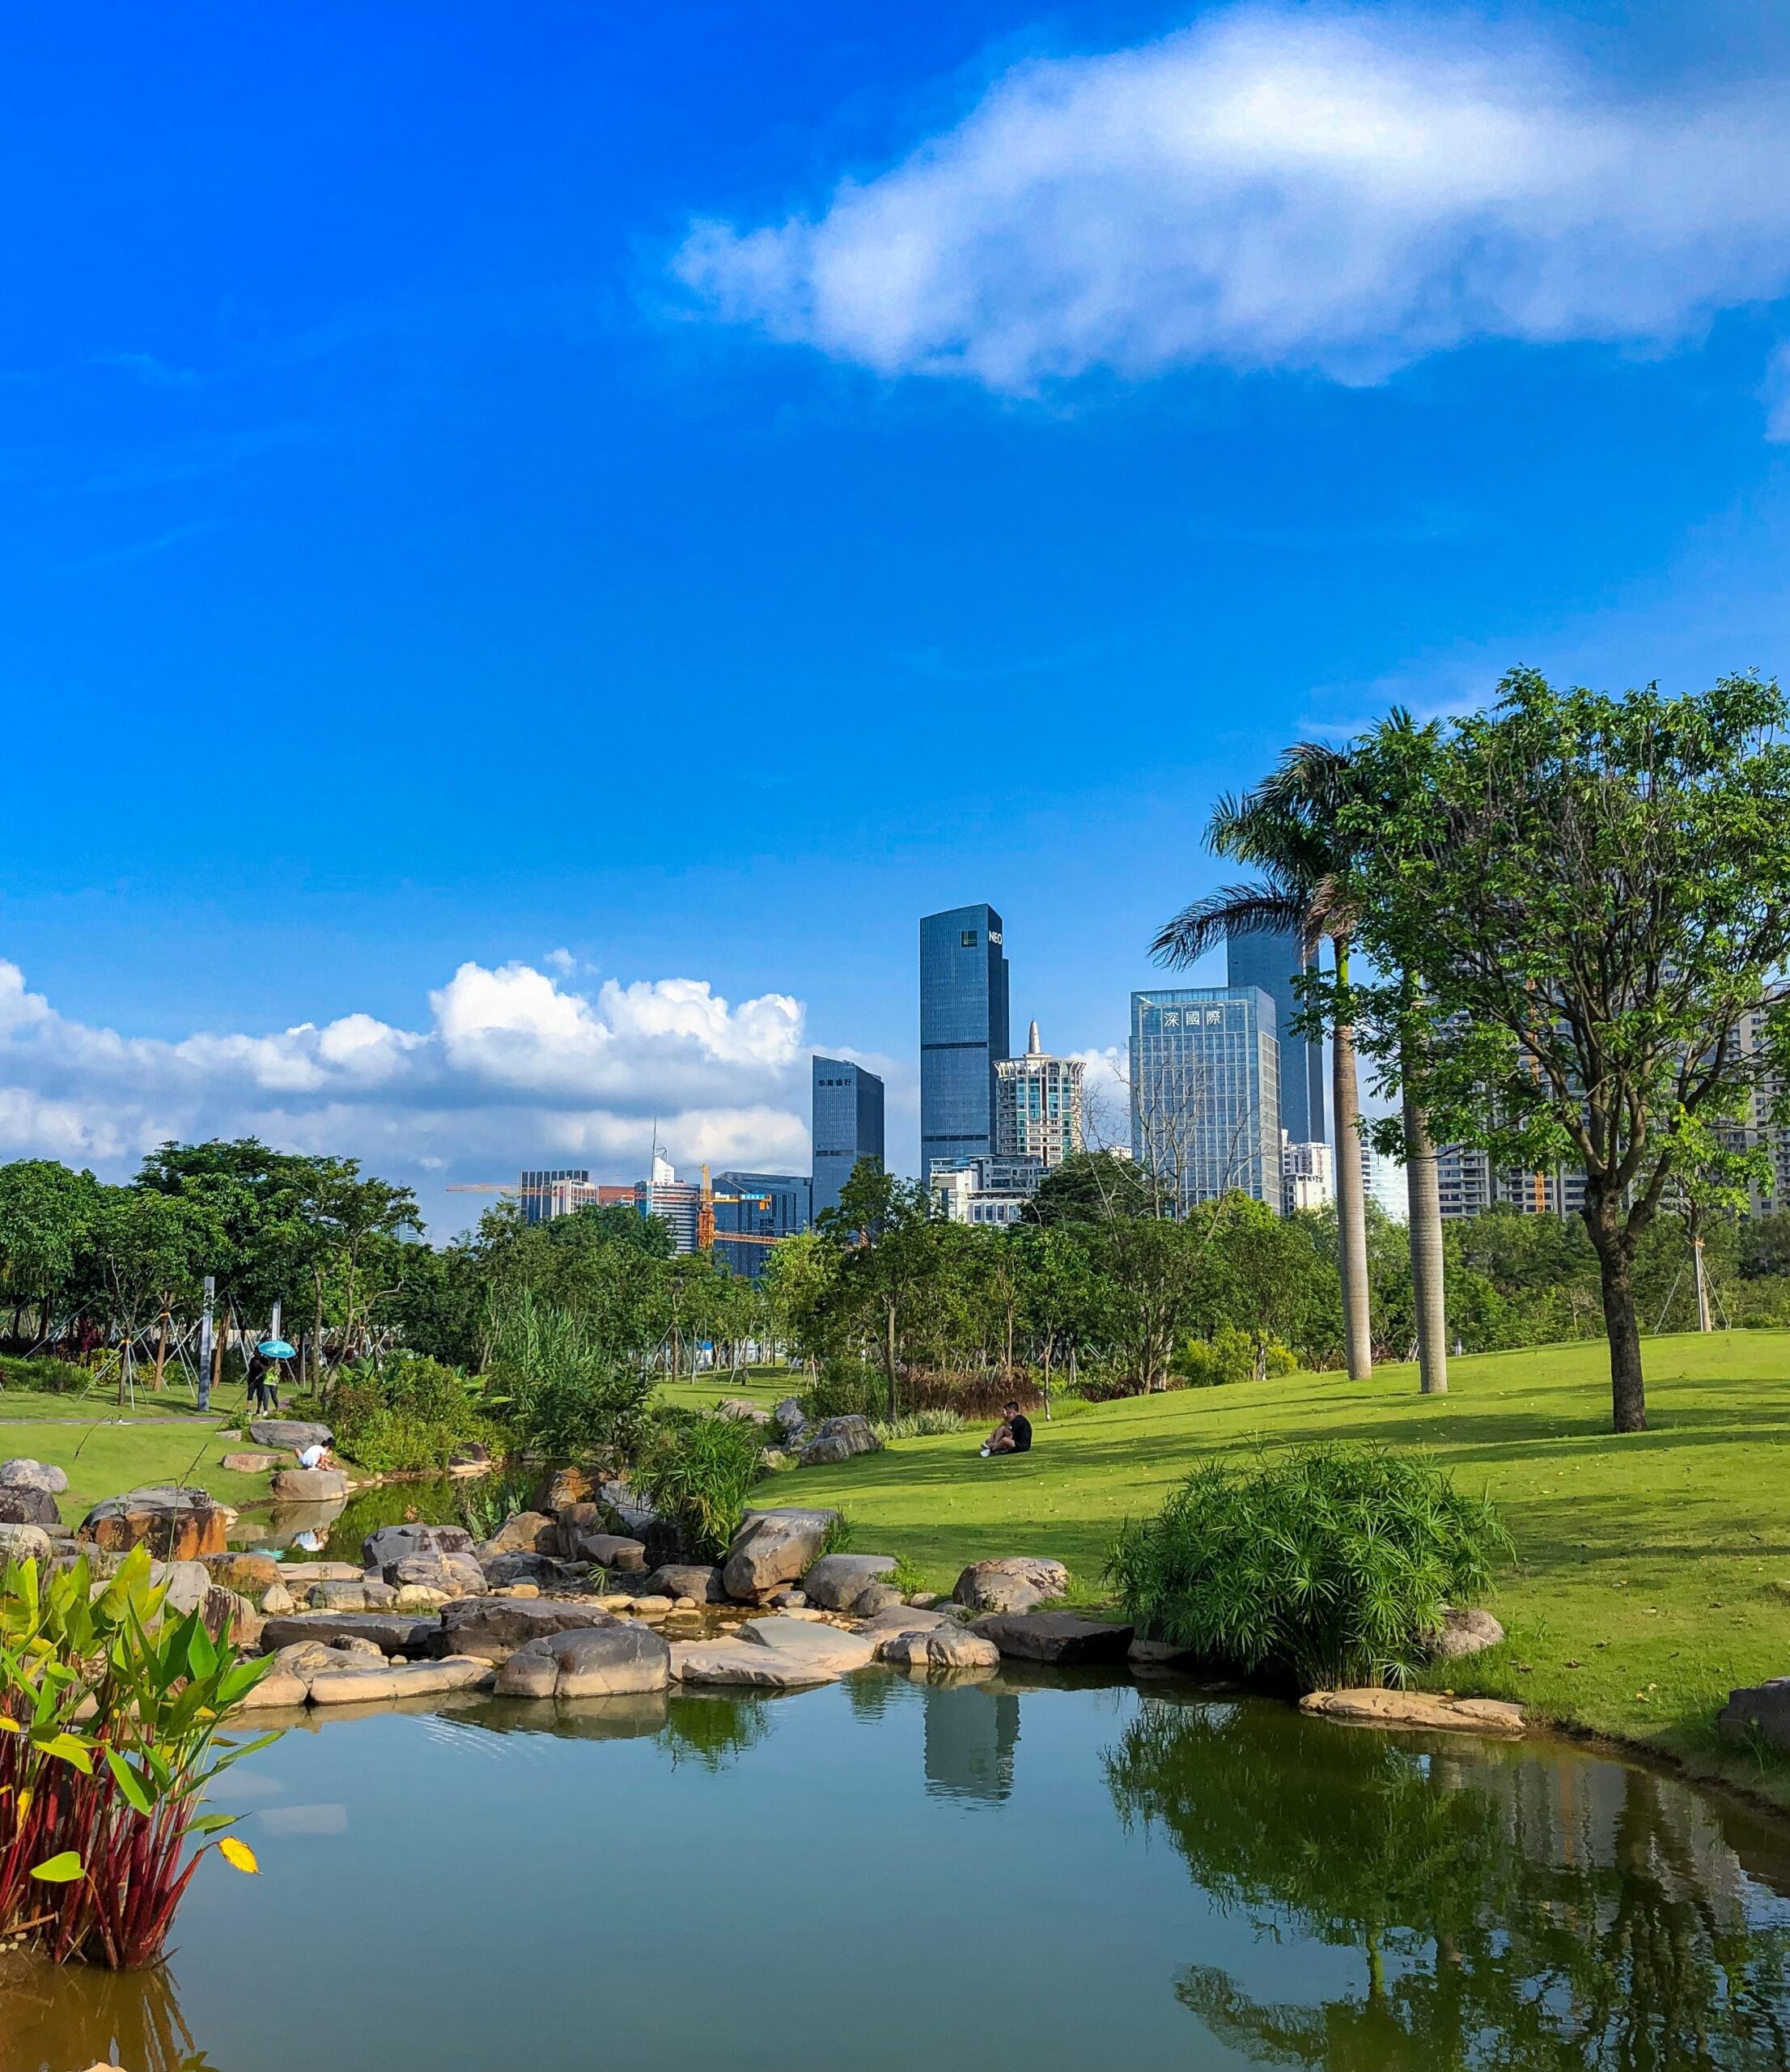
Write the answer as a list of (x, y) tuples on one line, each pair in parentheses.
[(970, 1735), (1510, 1913), (81, 2015)]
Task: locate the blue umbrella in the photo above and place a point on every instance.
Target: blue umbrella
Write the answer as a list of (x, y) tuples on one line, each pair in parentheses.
[(276, 1348)]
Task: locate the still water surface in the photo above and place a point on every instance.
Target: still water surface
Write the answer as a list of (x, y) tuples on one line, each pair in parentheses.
[(1038, 1874)]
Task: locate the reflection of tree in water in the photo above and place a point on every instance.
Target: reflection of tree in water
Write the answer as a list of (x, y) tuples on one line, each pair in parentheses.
[(712, 1730), (80, 2014), (1514, 1912)]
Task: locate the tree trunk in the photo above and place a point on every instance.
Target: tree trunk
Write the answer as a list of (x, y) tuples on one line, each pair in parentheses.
[(161, 1349), (1428, 1290), (1621, 1326), (1352, 1208), (888, 1356)]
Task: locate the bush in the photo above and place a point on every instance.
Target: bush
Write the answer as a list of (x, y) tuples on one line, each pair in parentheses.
[(565, 1393), (1326, 1566), (1228, 1355), (980, 1397), (917, 1424), (46, 1377), (697, 1470), (414, 1413), (844, 1388)]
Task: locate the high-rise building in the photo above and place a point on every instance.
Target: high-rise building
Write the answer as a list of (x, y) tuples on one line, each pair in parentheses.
[(1383, 1181), (536, 1191), (1037, 1104), (752, 1211), (963, 1031), (1466, 1184), (983, 1190), (1206, 1092), (846, 1125), (1272, 960), (1307, 1176)]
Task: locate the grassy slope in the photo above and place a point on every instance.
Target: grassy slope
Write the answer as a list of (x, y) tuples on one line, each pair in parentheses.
[(103, 1457), (1653, 1572)]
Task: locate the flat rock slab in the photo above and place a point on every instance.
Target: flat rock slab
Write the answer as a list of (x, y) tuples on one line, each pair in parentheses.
[(391, 1633), (905, 1619), (678, 1579), (495, 1627), (319, 1572), (1156, 1654), (608, 1550), (611, 1660), (1054, 1636), (289, 1433), (1375, 1707), (836, 1579), (811, 1641), (391, 1543), (737, 1661), (399, 1679)]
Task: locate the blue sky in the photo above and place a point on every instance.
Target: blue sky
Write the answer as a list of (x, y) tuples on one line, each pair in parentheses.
[(508, 511)]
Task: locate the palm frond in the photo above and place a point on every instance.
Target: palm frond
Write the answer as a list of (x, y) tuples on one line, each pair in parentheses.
[(1256, 908)]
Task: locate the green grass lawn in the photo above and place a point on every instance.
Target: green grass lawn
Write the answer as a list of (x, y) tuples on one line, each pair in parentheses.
[(1653, 1571), (159, 1441)]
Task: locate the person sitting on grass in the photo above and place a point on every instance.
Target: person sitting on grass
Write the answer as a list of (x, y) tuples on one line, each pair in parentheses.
[(1012, 1435)]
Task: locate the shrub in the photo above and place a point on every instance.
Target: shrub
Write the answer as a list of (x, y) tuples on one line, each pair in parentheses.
[(48, 1376), (844, 1388), (977, 1396), (917, 1424), (1228, 1355), (413, 1413), (1328, 1566), (696, 1471), (566, 1394)]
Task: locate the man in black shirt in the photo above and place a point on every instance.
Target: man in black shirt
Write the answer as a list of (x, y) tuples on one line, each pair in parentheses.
[(1012, 1435)]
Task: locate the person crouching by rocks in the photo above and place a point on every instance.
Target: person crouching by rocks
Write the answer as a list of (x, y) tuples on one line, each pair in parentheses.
[(1012, 1435)]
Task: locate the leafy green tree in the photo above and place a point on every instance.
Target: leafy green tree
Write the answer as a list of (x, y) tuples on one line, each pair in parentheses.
[(1090, 1186), (1596, 890), (147, 1253), (45, 1213), (880, 1229)]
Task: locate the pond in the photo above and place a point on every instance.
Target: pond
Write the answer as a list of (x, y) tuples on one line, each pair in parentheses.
[(1036, 1872)]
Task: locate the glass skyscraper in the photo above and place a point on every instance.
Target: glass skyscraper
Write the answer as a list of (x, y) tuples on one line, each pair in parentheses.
[(848, 1125), (1273, 962), (963, 1032), (1206, 1092)]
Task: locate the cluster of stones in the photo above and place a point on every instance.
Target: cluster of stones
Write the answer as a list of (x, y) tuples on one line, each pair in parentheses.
[(564, 1603), (798, 1443)]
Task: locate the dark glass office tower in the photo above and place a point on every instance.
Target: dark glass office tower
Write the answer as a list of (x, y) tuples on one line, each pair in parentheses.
[(1272, 963), (848, 1125), (963, 1032)]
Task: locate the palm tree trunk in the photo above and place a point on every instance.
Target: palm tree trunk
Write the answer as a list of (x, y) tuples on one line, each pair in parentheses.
[(1429, 1288), (1352, 1208)]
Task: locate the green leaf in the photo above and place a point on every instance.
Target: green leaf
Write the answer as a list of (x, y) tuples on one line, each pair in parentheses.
[(210, 1824), (61, 1870), (70, 1751), (128, 1782)]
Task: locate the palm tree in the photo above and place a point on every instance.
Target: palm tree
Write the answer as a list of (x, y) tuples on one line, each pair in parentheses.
[(1287, 827)]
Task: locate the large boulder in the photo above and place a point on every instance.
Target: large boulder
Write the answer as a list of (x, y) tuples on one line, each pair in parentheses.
[(790, 1420), (23, 1542), (174, 1523), (588, 1662), (560, 1486), (290, 1433), (904, 1619), (399, 1679), (836, 1581), (26, 1474), (624, 1510), (813, 1641), (250, 1463), (391, 1543), (774, 1548), (1053, 1636), (20, 1505), (838, 1439), (454, 1575), (309, 1485), (502, 1570), (678, 1579), (942, 1648), (1018, 1583), (1758, 1712), (522, 1532), (494, 1627), (608, 1550), (742, 1410), (1373, 1707), (1464, 1632)]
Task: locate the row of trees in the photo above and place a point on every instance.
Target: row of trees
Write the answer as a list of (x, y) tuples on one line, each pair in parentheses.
[(1557, 931)]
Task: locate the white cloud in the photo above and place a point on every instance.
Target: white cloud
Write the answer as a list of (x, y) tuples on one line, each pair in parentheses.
[(1331, 191), (514, 1067)]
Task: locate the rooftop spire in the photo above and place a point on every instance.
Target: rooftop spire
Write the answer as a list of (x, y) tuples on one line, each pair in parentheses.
[(1034, 1047)]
